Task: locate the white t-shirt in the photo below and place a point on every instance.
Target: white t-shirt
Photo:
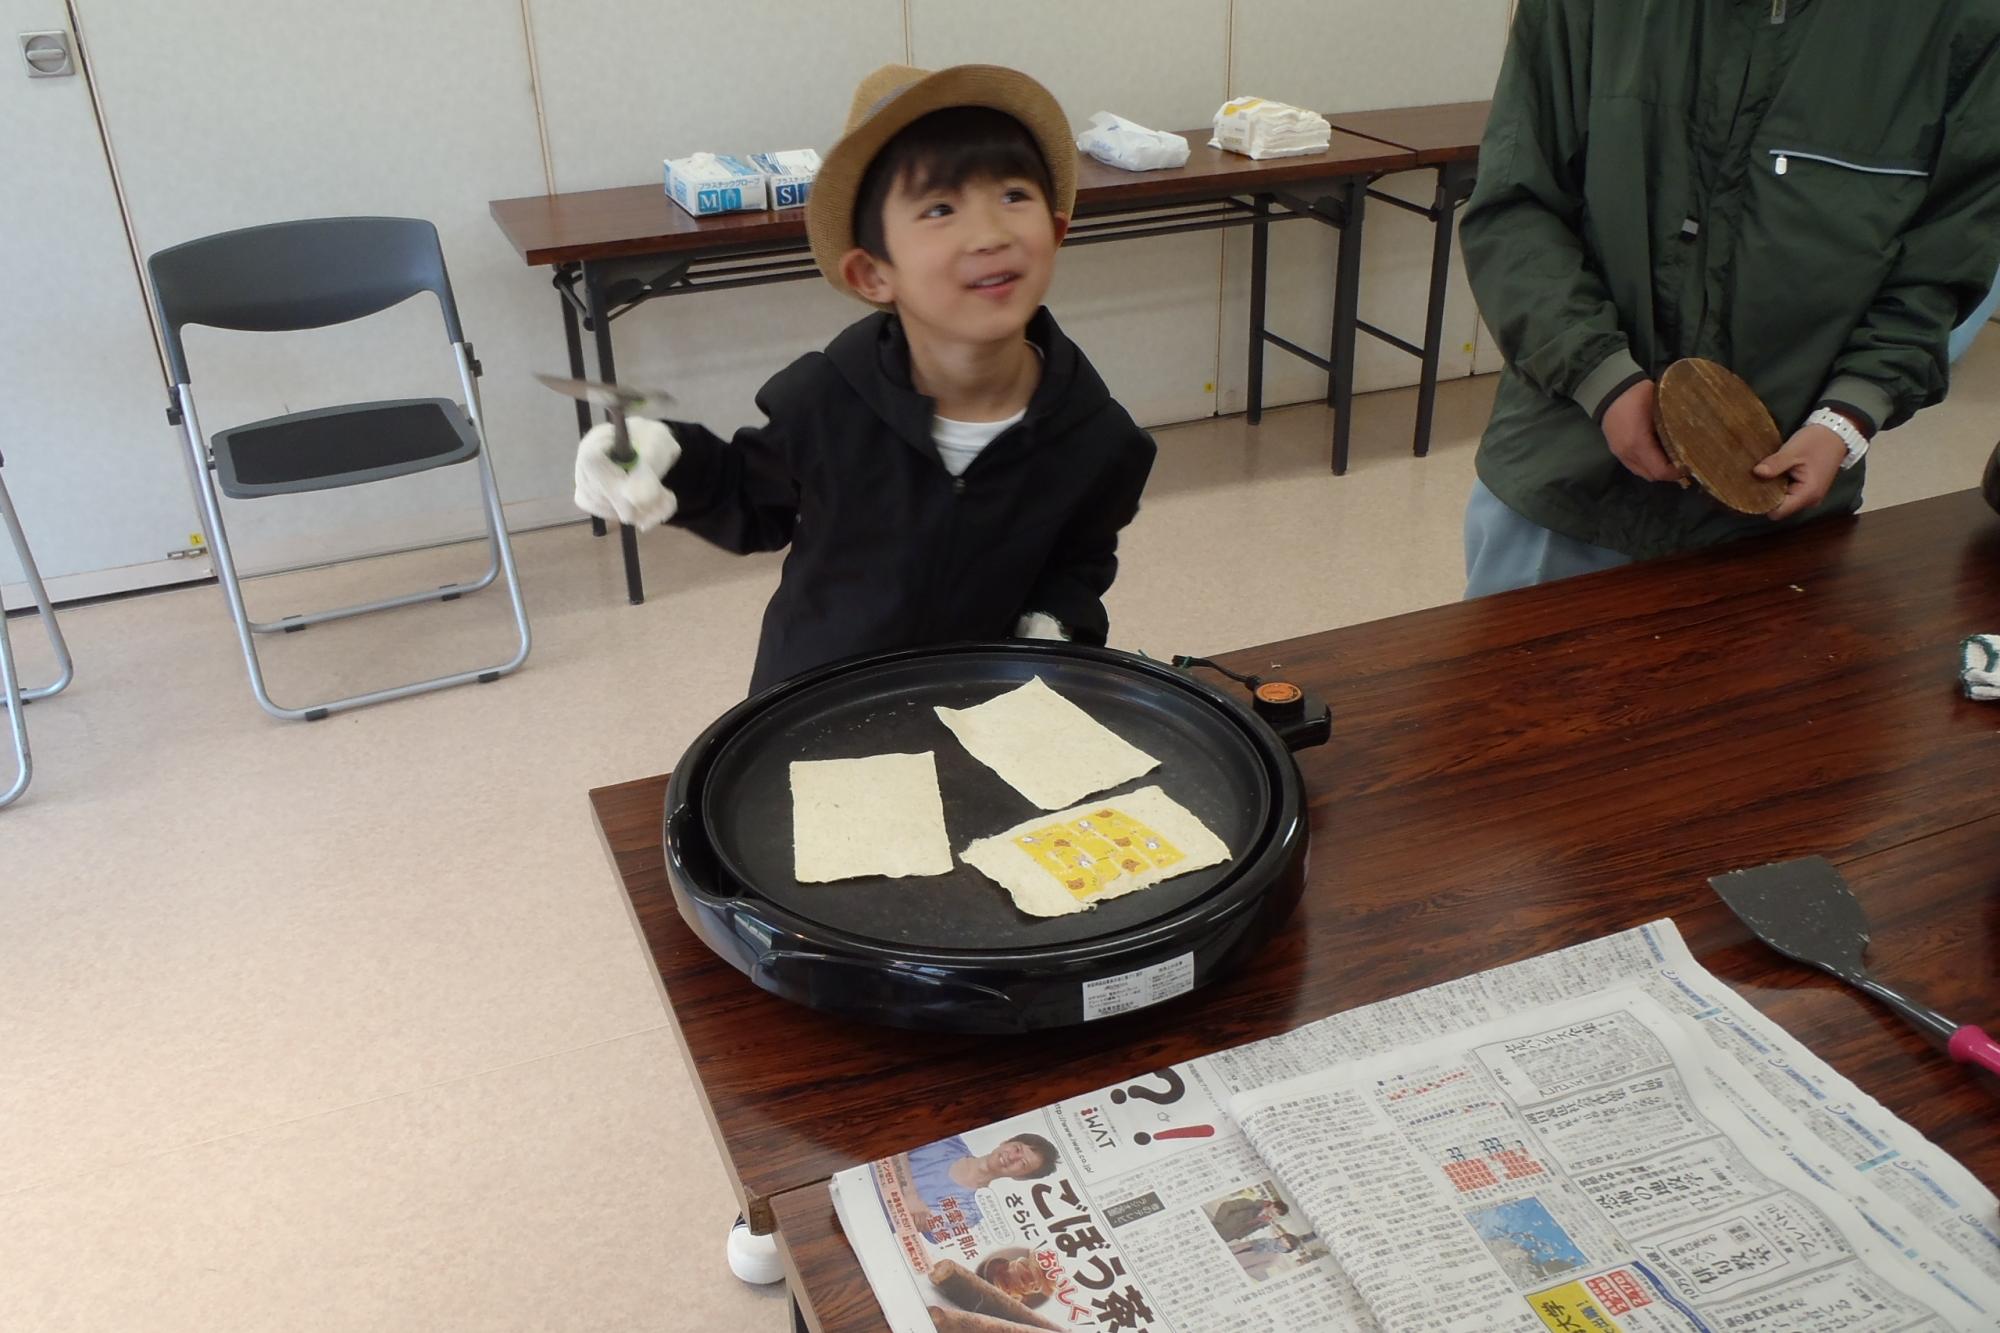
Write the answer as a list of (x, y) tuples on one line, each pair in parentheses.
[(959, 442)]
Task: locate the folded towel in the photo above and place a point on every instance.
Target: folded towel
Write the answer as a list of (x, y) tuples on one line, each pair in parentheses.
[(1120, 143), (1979, 666), (1260, 128)]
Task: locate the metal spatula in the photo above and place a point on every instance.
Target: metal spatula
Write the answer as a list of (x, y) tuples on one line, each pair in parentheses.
[(622, 400), (1805, 911)]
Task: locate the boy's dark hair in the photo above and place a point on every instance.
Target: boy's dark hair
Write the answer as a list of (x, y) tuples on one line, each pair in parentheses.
[(1042, 1148), (942, 151)]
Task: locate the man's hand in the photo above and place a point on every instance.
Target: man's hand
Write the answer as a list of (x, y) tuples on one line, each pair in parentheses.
[(1628, 429), (1812, 459)]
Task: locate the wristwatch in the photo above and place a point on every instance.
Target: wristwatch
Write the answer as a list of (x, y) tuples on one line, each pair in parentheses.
[(1849, 433)]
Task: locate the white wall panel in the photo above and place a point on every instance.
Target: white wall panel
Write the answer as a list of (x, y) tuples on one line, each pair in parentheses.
[(1347, 56), (626, 83), (227, 113), (1144, 311), (90, 461), (1355, 55), (745, 77)]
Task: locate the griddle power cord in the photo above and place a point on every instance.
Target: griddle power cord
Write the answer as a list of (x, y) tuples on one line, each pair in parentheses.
[(1248, 682)]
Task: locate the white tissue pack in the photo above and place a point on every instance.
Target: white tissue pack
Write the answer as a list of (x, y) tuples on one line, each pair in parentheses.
[(1260, 128), (708, 183), (1118, 142), (788, 176)]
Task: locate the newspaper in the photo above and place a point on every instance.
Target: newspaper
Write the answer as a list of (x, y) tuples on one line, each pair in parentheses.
[(1603, 1138)]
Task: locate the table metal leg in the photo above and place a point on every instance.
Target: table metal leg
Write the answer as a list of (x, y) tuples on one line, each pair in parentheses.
[(1454, 182), (1260, 263), (1346, 307), (573, 340), (607, 370)]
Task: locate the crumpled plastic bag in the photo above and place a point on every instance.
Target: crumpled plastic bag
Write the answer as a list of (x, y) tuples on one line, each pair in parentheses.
[(1118, 142)]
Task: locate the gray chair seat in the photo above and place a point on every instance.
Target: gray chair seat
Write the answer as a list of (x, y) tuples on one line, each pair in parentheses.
[(341, 446)]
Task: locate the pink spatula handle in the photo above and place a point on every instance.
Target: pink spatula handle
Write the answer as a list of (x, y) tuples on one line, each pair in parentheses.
[(1970, 1045)]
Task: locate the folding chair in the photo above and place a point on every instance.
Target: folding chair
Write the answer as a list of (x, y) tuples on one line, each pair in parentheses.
[(305, 275), (15, 698)]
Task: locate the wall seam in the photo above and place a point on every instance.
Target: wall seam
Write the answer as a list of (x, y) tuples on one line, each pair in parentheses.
[(117, 183), (1222, 248)]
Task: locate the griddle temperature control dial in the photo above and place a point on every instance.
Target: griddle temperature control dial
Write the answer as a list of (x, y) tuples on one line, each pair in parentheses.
[(1299, 719)]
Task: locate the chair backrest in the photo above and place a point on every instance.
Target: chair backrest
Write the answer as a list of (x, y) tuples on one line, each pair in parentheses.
[(296, 275)]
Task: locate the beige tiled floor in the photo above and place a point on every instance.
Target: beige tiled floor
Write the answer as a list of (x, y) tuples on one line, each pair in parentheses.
[(342, 1026)]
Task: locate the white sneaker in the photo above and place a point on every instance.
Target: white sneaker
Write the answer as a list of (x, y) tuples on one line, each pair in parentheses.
[(754, 1258)]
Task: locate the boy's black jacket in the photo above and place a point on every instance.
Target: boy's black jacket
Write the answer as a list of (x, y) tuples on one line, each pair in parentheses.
[(888, 550)]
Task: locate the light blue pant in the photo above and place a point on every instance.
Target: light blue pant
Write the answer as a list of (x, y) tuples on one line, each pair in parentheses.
[(1504, 550), (1961, 337)]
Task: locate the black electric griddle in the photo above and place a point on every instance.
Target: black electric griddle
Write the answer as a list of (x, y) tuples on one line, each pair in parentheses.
[(951, 951)]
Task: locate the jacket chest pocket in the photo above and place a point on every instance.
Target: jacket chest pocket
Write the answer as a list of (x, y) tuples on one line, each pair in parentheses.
[(1829, 206), (1784, 159)]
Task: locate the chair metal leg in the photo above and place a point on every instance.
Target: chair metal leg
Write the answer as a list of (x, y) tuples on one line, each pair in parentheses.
[(443, 593), (246, 631), (17, 722), (12, 696), (65, 668)]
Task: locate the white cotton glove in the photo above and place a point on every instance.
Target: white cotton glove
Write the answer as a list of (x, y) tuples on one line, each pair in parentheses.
[(1040, 625), (1979, 666), (639, 497)]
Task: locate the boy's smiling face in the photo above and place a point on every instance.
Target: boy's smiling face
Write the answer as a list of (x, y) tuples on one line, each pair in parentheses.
[(968, 263)]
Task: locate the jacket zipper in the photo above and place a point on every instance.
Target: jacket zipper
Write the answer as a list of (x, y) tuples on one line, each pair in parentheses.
[(1785, 156)]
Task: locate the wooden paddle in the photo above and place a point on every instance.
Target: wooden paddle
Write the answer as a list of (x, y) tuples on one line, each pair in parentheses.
[(1715, 428)]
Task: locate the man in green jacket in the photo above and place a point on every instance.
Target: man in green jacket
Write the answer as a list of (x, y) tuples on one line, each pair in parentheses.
[(1807, 191)]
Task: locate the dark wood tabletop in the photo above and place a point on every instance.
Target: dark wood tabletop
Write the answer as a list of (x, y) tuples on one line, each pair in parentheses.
[(1509, 776), (642, 220), (1447, 133), (1528, 771)]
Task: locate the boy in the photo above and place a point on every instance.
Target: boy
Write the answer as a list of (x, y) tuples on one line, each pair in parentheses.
[(950, 467)]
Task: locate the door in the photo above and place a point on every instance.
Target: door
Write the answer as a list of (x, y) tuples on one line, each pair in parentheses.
[(91, 462)]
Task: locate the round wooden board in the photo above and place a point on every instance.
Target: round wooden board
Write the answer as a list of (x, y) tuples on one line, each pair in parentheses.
[(1713, 424)]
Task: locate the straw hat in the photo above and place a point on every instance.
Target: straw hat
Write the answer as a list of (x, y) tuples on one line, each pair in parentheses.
[(888, 101)]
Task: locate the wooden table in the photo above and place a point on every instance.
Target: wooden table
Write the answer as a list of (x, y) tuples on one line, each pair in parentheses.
[(1446, 139), (1596, 749), (1449, 132), (613, 250)]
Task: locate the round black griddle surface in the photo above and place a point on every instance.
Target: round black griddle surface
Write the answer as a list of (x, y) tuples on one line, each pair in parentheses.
[(1208, 763)]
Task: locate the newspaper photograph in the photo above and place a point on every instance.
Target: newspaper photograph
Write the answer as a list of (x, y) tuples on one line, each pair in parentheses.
[(1140, 1207), (1145, 1206), (1577, 1167)]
